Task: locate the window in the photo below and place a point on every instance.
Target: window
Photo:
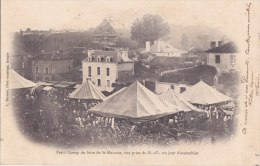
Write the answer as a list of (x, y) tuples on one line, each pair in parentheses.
[(37, 62), (99, 82), (69, 68), (98, 70), (37, 69), (46, 71), (107, 59), (107, 71), (89, 58), (232, 59), (108, 83), (37, 78), (89, 71), (217, 58), (98, 59)]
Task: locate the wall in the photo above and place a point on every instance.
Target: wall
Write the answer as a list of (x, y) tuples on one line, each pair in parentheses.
[(22, 65), (103, 75), (54, 67), (126, 66), (161, 87), (224, 65)]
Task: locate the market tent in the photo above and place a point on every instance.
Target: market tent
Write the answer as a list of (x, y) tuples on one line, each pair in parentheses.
[(171, 97), (87, 90), (202, 93), (16, 81), (120, 90), (134, 102)]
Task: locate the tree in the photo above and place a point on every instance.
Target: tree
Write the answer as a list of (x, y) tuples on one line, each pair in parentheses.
[(149, 28)]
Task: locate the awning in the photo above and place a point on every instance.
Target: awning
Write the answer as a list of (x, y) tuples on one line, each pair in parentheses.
[(16, 81), (64, 84)]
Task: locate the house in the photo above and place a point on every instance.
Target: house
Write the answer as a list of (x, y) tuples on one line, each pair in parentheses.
[(105, 33), (46, 65), (162, 48), (223, 56), (106, 67), (22, 64)]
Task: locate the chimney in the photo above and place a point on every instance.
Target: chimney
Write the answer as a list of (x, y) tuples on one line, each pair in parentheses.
[(219, 43), (147, 46), (90, 52), (213, 44), (125, 55)]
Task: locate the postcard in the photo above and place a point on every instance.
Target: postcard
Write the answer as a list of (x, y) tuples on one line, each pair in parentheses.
[(127, 82)]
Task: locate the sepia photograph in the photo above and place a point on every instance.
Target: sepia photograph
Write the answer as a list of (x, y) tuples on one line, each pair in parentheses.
[(115, 75)]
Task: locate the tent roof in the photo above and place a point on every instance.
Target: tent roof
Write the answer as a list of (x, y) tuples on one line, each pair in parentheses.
[(135, 102), (171, 97), (87, 90), (202, 93), (16, 81)]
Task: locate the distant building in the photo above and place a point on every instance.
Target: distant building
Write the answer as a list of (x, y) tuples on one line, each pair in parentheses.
[(160, 87), (106, 67), (105, 33), (28, 31), (161, 48), (22, 64), (223, 56), (45, 66)]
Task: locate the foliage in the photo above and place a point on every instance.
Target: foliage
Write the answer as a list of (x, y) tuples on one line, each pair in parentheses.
[(192, 76), (149, 28)]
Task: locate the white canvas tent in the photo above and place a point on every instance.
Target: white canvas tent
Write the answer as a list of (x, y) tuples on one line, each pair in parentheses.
[(87, 90), (171, 97), (202, 93), (16, 81), (134, 102)]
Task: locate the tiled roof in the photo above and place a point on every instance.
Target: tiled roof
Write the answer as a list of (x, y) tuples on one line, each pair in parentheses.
[(162, 46), (226, 48), (52, 56), (105, 28)]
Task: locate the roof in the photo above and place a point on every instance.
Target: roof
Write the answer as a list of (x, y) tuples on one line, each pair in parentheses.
[(105, 28), (161, 46), (171, 97), (16, 81), (229, 47), (73, 75), (53, 56), (134, 102), (64, 84), (115, 56), (87, 90), (202, 93)]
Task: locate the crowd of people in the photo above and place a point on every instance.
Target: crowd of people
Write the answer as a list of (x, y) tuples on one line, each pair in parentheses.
[(53, 118)]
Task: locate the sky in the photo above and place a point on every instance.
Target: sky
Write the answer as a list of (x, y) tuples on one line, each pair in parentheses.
[(79, 14)]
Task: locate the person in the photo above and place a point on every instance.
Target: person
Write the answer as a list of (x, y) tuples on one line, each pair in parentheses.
[(213, 139)]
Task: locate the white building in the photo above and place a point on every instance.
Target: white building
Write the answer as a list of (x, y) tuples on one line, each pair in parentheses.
[(161, 48), (223, 57), (105, 67)]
